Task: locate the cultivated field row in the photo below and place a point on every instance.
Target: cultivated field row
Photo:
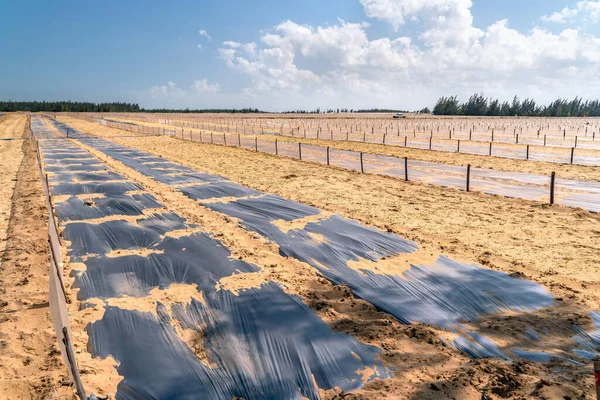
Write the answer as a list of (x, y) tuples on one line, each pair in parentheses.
[(300, 232), (574, 151), (546, 189), (560, 132)]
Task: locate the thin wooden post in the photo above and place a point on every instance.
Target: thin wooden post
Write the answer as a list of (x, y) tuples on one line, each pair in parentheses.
[(458, 146), (572, 154), (544, 140), (405, 140), (384, 138), (517, 142), (468, 177), (224, 140), (597, 376), (430, 142), (552, 181), (470, 134), (364, 137), (239, 141), (327, 155), (491, 148), (362, 169), (575, 141), (527, 155), (256, 143), (406, 169), (276, 149), (211, 138), (299, 150)]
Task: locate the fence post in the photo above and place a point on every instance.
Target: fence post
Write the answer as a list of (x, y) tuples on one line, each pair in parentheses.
[(256, 143), (224, 140), (73, 365), (405, 140), (470, 133), (517, 136), (406, 169), (468, 177), (575, 141), (239, 141), (544, 140), (362, 169), (597, 376), (211, 138), (430, 137), (572, 154), (552, 181), (527, 156), (491, 148), (327, 155), (299, 150), (364, 136), (458, 146), (276, 150), (384, 138)]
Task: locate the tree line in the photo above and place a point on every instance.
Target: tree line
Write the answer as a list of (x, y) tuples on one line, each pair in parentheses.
[(206, 110), (67, 106), (479, 105)]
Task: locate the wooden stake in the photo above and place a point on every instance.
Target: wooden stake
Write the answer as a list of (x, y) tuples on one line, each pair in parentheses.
[(552, 181), (572, 154), (406, 169), (468, 177), (362, 169), (597, 376)]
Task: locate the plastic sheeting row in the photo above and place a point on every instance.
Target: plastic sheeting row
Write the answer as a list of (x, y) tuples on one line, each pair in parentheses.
[(260, 343), (346, 252)]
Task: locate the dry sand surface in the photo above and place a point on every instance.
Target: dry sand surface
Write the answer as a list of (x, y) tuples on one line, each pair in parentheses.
[(564, 171), (30, 362), (555, 246)]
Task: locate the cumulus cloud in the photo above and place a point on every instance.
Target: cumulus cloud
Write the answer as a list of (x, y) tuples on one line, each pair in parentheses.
[(304, 66), (203, 86), (587, 10)]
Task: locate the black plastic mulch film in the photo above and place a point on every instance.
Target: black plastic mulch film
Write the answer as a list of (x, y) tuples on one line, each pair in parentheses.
[(262, 343), (441, 293)]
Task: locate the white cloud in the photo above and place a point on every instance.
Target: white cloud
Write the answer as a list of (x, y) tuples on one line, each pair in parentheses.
[(202, 86), (339, 65), (202, 32), (589, 11)]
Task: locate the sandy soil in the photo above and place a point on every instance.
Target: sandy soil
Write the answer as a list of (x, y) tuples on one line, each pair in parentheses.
[(30, 362), (554, 246), (564, 171)]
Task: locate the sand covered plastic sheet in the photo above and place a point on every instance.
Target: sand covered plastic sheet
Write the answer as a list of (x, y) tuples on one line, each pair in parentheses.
[(258, 343), (435, 291)]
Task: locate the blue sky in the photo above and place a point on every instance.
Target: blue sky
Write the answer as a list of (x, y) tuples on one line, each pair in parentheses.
[(147, 51)]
